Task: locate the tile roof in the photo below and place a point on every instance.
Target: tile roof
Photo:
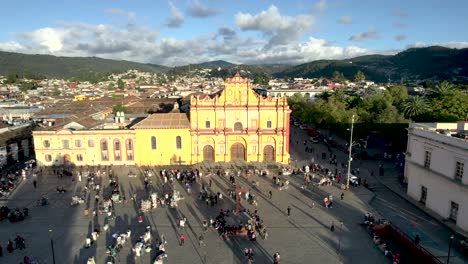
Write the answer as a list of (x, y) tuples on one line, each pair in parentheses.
[(166, 120)]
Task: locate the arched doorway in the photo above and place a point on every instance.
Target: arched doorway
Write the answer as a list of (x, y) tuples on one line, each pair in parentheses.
[(268, 153), (66, 159), (208, 153), (237, 151)]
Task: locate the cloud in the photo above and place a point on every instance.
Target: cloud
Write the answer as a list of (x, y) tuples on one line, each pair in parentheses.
[(12, 46), (399, 25), (450, 44), (197, 9), (176, 19), (345, 20), (119, 12), (226, 33), (370, 34), (398, 12), (400, 37), (279, 29)]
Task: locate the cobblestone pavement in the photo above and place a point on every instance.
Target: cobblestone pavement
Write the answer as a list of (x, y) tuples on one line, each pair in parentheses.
[(304, 237)]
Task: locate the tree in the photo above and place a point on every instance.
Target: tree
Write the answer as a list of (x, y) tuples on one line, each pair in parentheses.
[(174, 89), (26, 86), (11, 78), (415, 106), (338, 76), (120, 84), (119, 108), (399, 94), (441, 89), (111, 86), (359, 77), (449, 107)]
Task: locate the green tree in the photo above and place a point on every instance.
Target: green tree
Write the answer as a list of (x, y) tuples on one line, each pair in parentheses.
[(399, 94), (26, 86), (119, 108), (174, 89), (111, 86), (359, 77), (415, 106), (441, 90), (338, 76), (449, 107), (120, 84), (11, 78)]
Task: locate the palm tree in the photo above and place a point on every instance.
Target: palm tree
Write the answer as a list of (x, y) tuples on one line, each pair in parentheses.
[(441, 89), (415, 106)]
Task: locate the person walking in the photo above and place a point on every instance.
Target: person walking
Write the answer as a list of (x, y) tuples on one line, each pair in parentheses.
[(417, 239), (276, 258), (10, 246), (182, 239), (289, 210), (270, 194), (1, 251), (342, 195), (35, 184), (201, 240)]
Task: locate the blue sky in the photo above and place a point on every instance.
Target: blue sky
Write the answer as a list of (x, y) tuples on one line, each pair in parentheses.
[(244, 31)]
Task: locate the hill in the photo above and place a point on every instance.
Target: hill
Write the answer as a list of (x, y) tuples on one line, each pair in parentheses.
[(67, 67), (437, 63)]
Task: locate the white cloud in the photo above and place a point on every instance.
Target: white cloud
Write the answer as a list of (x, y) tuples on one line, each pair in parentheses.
[(12, 46), (370, 34), (197, 9), (449, 44), (119, 12), (50, 38), (279, 29), (345, 20), (176, 19)]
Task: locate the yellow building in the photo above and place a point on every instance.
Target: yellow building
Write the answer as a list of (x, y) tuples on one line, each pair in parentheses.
[(239, 124), (235, 124)]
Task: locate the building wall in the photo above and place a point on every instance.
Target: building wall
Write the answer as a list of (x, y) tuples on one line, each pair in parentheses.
[(92, 155), (166, 151), (439, 177)]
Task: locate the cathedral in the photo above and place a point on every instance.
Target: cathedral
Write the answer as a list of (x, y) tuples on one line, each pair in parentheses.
[(235, 124)]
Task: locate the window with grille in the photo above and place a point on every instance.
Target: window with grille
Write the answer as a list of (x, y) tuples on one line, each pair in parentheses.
[(104, 154), (79, 157), (129, 146), (65, 144), (427, 159), (90, 143), (423, 197), (46, 143), (48, 157), (116, 149), (459, 170), (153, 142), (78, 143), (453, 211), (207, 124), (268, 124), (178, 142)]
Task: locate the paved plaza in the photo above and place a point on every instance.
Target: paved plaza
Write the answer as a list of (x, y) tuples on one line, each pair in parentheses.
[(304, 237)]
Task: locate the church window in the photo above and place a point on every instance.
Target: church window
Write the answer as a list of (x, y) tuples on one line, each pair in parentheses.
[(238, 127), (178, 142)]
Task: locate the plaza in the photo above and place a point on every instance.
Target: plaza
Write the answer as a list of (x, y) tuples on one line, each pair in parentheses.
[(303, 237)]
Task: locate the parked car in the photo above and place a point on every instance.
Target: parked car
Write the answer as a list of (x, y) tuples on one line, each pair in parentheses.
[(303, 126), (296, 123)]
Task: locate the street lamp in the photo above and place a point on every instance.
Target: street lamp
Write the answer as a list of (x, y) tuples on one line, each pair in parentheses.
[(450, 247), (350, 152), (52, 246)]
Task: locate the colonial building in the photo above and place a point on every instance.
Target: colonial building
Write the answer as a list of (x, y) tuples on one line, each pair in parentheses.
[(235, 124), (238, 124), (436, 169)]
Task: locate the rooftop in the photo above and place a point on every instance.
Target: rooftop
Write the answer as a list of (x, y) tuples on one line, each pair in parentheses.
[(166, 120)]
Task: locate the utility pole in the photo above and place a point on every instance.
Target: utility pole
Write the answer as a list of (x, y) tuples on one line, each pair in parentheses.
[(350, 152)]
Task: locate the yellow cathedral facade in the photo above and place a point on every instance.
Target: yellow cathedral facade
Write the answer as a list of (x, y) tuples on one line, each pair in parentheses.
[(236, 124)]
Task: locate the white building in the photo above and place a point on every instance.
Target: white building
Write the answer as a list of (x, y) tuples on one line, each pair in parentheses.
[(436, 169)]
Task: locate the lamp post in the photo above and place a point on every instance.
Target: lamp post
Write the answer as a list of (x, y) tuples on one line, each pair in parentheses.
[(450, 247), (52, 246), (350, 152)]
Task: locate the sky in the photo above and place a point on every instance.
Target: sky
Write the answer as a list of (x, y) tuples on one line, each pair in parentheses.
[(179, 32)]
